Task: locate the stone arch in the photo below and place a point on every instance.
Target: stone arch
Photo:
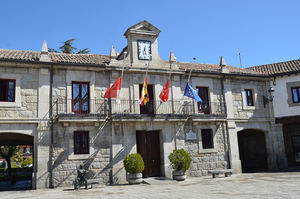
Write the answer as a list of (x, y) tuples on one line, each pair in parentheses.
[(15, 139), (252, 150)]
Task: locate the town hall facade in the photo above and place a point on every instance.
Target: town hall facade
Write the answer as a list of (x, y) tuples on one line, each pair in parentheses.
[(55, 102)]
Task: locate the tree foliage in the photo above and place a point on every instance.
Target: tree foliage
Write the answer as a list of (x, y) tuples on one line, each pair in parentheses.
[(69, 48), (27, 162), (7, 152)]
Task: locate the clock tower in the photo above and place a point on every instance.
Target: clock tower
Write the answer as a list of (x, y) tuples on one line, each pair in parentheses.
[(142, 45)]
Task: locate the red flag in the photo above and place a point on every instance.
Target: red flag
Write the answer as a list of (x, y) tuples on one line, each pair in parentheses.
[(164, 95), (144, 93), (112, 92)]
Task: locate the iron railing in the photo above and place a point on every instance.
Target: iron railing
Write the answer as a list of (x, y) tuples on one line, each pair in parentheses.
[(100, 106)]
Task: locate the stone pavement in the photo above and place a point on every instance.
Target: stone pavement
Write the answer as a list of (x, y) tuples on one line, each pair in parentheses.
[(257, 185)]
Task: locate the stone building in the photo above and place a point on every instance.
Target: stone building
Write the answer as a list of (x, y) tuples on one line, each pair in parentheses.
[(54, 102), (286, 103)]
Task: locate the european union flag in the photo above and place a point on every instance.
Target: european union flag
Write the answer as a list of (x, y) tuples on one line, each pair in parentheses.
[(192, 93)]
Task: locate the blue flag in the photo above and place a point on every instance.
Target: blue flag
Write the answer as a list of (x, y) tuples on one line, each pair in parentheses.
[(192, 93)]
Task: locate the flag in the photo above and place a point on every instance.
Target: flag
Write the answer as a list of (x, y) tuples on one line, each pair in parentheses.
[(192, 93), (112, 92), (144, 94), (164, 95)]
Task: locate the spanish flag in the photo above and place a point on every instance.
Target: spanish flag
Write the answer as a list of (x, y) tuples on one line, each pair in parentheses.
[(144, 94)]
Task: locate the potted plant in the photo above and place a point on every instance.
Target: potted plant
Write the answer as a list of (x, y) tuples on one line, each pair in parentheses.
[(180, 162), (134, 166)]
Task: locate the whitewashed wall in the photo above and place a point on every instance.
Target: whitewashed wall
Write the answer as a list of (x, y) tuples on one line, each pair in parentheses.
[(280, 101)]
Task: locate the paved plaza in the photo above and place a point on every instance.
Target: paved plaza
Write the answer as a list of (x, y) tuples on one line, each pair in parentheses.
[(257, 185)]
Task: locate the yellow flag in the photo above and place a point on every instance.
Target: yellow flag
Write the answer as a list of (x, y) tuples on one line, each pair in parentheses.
[(144, 94)]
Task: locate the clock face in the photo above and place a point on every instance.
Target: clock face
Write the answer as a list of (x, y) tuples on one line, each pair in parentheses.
[(144, 50)]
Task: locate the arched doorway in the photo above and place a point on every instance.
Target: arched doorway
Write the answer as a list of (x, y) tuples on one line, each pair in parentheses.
[(17, 160), (252, 150)]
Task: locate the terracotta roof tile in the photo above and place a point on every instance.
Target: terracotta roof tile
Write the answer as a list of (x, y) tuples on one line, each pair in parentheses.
[(19, 55), (93, 59), (278, 68), (22, 55), (216, 68)]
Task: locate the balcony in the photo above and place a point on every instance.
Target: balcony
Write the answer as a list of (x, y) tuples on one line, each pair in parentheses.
[(132, 109)]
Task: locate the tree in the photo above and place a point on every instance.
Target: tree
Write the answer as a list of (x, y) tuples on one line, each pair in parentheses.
[(68, 48), (7, 152), (17, 156)]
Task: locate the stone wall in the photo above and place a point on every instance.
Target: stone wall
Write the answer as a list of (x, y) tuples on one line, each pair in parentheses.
[(240, 109), (26, 93), (97, 161), (207, 159)]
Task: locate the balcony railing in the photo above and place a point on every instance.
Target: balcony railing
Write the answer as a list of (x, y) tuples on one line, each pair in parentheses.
[(123, 107)]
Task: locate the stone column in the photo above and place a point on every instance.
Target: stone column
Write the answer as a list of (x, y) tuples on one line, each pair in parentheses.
[(43, 93), (41, 156), (234, 145), (275, 148)]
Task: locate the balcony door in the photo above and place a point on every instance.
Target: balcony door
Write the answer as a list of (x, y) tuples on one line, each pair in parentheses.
[(204, 106), (80, 97), (149, 107)]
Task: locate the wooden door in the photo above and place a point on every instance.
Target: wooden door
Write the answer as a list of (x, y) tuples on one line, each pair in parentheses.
[(148, 145)]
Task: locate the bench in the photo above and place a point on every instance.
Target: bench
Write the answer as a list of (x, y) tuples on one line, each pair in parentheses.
[(216, 172), (93, 181), (78, 184)]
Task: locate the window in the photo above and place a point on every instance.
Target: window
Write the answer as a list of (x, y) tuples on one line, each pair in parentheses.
[(81, 142), (249, 97), (296, 94), (204, 106), (80, 97), (149, 107), (7, 90), (207, 139)]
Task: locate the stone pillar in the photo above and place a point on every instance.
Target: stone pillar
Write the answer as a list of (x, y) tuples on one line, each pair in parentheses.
[(233, 140), (234, 148), (43, 93), (275, 141), (275, 148), (41, 156), (118, 154)]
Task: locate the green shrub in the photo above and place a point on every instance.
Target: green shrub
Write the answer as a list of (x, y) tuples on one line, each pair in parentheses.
[(2, 165), (133, 163), (26, 162), (180, 159)]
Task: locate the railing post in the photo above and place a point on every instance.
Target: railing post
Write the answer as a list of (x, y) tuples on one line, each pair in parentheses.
[(172, 104), (193, 107), (56, 107)]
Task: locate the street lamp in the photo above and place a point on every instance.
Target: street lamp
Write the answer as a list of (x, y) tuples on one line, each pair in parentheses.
[(269, 97)]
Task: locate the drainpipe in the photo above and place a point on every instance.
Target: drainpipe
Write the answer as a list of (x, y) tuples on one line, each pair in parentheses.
[(229, 165), (51, 185), (109, 114)]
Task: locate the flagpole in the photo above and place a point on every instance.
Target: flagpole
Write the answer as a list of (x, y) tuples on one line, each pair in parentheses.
[(191, 71), (122, 73), (148, 63)]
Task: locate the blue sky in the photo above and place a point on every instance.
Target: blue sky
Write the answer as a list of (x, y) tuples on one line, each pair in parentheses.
[(264, 31)]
